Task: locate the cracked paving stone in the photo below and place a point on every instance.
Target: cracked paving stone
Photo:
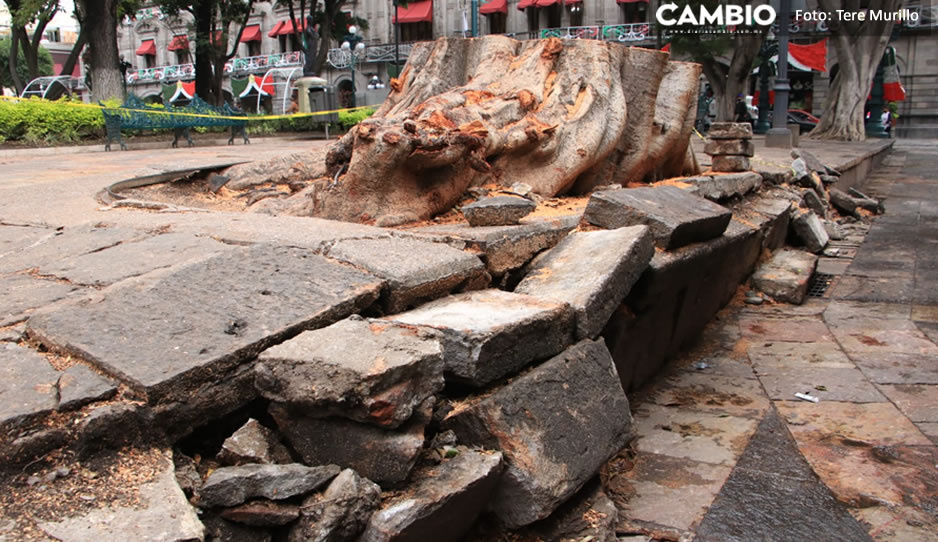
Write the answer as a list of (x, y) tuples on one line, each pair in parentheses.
[(898, 523), (168, 337), (23, 294), (896, 368), (872, 423), (130, 259), (768, 356), (688, 487), (704, 392), (27, 385), (825, 383), (918, 402), (710, 438), (806, 330), (69, 242)]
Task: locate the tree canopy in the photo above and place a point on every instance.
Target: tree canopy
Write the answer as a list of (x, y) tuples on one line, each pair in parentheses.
[(45, 64)]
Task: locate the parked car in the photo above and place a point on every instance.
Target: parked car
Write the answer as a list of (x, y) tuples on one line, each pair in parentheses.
[(806, 121)]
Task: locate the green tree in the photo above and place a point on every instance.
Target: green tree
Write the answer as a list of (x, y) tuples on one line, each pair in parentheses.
[(332, 21), (859, 46), (727, 57), (215, 21), (23, 14), (43, 64)]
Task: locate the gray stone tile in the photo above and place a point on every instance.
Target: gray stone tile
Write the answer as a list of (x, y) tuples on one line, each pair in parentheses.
[(919, 402), (898, 368), (825, 383), (24, 294), (27, 385), (717, 439)]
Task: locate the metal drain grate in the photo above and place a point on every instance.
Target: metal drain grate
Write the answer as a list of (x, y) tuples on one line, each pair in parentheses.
[(820, 282)]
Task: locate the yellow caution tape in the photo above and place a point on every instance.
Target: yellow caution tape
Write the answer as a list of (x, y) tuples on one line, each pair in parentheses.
[(198, 115), (698, 134)]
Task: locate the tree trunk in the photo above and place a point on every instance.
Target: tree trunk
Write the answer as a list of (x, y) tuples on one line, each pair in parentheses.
[(558, 115), (100, 23), (859, 49), (14, 58), (204, 51)]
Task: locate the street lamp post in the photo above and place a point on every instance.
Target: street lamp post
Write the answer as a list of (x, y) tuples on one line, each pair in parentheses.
[(353, 45), (779, 135), (769, 48)]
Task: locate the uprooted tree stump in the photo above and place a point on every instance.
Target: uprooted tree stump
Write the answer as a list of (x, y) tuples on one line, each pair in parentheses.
[(560, 116)]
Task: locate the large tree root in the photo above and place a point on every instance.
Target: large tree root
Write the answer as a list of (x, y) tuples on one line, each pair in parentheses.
[(557, 115)]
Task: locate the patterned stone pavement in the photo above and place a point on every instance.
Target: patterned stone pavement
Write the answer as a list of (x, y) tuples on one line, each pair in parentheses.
[(727, 452)]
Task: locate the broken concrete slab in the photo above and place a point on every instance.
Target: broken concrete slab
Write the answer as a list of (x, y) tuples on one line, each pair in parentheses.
[(15, 238), (161, 513), (729, 147), (443, 505), (814, 202), (504, 248), (129, 259), (262, 513), (230, 486), (340, 513), (13, 334), (676, 218), (724, 185), (730, 130), (370, 371), (79, 385), (556, 424), (771, 214), (729, 164), (23, 294), (810, 231), (497, 211), (253, 443), (489, 334), (170, 336), (68, 242), (27, 386), (592, 272), (385, 456), (415, 271), (589, 516), (785, 275)]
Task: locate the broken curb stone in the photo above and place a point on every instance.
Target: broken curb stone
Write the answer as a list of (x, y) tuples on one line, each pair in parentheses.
[(253, 443), (810, 230), (497, 211), (415, 271), (785, 275), (729, 147), (370, 371), (231, 486), (383, 455), (724, 186), (443, 505), (730, 164), (592, 272), (676, 218), (730, 130), (262, 513), (79, 385), (556, 424), (340, 513), (489, 334), (27, 386), (170, 337)]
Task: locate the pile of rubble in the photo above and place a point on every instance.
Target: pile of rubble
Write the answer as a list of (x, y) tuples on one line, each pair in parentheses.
[(414, 384)]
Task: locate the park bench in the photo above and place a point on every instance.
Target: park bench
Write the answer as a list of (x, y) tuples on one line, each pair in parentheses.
[(134, 114)]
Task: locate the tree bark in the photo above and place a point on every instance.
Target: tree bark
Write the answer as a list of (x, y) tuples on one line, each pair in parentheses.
[(859, 47), (100, 23), (560, 116), (204, 57), (14, 62)]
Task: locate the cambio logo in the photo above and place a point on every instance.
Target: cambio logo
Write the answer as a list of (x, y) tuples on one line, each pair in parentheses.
[(728, 15)]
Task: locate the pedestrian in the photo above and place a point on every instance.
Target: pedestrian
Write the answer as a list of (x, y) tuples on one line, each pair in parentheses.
[(742, 112), (886, 120)]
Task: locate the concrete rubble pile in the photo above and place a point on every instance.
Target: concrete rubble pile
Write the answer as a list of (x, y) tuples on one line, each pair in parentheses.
[(413, 384)]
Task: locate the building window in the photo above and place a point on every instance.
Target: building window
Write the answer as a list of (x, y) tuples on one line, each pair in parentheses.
[(576, 14), (633, 12), (554, 16), (149, 61), (498, 23), (422, 31), (254, 48), (182, 57), (532, 15)]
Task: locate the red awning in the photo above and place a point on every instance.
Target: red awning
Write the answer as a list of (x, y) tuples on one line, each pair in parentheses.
[(251, 33), (415, 12), (523, 4), (287, 27), (494, 6), (545, 3), (630, 1), (179, 43), (275, 31), (812, 56), (147, 47)]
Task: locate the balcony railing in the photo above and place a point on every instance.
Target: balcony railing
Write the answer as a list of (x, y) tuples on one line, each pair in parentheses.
[(927, 16), (249, 64)]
